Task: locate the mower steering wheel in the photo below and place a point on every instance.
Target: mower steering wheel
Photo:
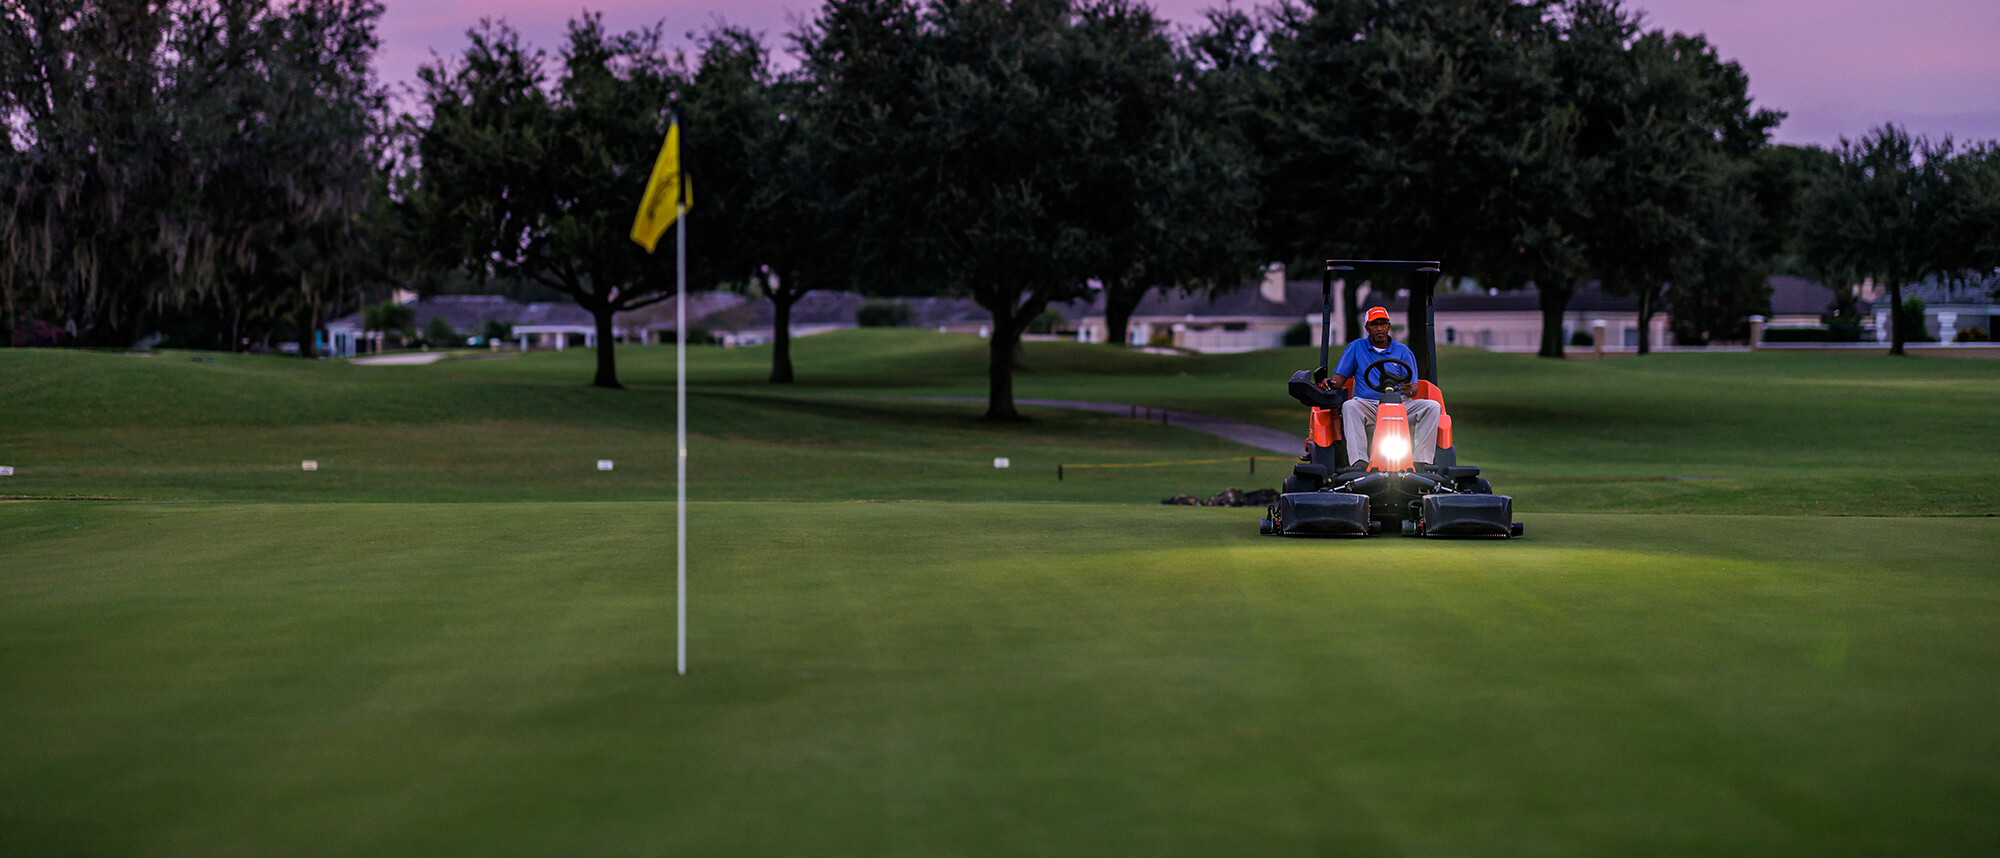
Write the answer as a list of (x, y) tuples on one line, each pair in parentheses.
[(1392, 370)]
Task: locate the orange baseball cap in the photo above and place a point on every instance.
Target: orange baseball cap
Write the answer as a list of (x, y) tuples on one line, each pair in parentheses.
[(1377, 313)]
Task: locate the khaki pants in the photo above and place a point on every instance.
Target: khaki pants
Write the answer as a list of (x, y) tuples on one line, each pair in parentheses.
[(1357, 416)]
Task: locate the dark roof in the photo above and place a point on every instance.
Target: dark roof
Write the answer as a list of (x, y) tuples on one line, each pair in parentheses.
[(1969, 287), (813, 308), (472, 312), (661, 316), (1301, 297), (1797, 296), (838, 308), (926, 312)]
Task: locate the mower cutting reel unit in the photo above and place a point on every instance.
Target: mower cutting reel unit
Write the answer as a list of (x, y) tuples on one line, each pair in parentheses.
[(1331, 493)]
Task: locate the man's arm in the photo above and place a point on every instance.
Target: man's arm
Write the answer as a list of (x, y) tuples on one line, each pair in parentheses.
[(1342, 368), (1409, 388)]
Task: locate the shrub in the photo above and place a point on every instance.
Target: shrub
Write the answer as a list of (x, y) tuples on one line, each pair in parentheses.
[(1910, 322), (497, 330), (1299, 334), (697, 336), (1843, 327), (883, 314), (1048, 322), (37, 334), (1970, 335), (439, 332), (1162, 338), (396, 321), (1582, 339)]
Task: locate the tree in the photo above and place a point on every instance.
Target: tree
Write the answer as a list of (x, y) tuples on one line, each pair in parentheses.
[(1672, 129), (977, 132), (1179, 204), (1403, 130), (540, 184), (1879, 211), (439, 332), (1782, 178), (162, 155), (390, 317), (1968, 222), (769, 224)]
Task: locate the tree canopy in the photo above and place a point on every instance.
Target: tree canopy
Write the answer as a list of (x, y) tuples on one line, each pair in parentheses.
[(227, 169)]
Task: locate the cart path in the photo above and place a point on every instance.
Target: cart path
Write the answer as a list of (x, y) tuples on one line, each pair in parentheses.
[(1247, 434)]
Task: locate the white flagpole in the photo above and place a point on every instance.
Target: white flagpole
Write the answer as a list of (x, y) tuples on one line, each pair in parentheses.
[(681, 427)]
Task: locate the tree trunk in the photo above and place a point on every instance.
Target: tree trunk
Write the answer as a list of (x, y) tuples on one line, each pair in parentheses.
[(1895, 316), (1554, 300), (1119, 302), (309, 331), (1000, 372), (607, 361), (1646, 320), (781, 335)]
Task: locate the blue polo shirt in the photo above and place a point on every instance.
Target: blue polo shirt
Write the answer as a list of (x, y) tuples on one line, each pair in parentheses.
[(1359, 355)]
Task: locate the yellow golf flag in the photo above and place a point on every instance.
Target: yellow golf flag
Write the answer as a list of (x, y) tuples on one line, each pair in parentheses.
[(667, 193)]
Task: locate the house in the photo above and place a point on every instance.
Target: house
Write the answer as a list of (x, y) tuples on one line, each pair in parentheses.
[(1258, 318), (1800, 303), (1953, 310), (751, 322), (654, 323), (1239, 321), (1512, 321), (531, 325)]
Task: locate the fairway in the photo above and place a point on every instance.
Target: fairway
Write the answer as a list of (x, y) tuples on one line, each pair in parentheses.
[(457, 636)]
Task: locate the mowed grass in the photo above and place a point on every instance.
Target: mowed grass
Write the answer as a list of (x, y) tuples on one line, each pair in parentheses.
[(944, 678), (457, 635), (1764, 433)]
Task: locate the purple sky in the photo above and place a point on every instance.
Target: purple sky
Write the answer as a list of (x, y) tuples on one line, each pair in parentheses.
[(1838, 67)]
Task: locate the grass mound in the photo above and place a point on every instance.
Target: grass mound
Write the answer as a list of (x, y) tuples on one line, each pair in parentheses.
[(1762, 433)]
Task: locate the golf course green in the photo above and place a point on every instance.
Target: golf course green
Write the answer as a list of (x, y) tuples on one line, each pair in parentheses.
[(1756, 612)]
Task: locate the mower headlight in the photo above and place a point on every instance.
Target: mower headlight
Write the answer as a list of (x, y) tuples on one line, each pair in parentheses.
[(1395, 448)]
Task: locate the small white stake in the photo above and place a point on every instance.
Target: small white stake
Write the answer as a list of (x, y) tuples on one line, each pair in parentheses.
[(604, 464), (1000, 462), (309, 465), (6, 471)]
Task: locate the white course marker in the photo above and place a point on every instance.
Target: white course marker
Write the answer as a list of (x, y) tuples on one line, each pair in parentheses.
[(309, 465), (1000, 462), (6, 471), (604, 464)]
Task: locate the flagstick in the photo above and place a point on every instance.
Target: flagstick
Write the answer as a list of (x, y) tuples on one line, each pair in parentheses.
[(681, 427)]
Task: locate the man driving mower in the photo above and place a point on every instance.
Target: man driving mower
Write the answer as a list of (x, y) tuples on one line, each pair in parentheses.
[(1357, 414)]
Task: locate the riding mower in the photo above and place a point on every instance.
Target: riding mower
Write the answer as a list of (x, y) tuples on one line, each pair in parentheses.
[(1332, 494)]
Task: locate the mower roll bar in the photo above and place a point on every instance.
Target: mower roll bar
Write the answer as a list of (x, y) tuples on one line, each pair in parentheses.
[(1425, 347)]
